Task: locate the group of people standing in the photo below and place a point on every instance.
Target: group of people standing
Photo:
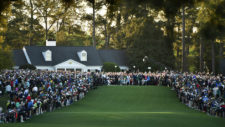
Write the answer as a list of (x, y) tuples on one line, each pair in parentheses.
[(35, 92), (201, 91)]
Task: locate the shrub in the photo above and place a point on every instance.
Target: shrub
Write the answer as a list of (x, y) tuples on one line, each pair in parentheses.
[(27, 66), (110, 67)]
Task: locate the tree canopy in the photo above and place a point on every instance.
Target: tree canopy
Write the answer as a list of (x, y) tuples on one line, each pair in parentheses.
[(184, 35)]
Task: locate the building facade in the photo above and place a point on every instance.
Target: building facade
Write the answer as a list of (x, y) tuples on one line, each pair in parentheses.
[(79, 58)]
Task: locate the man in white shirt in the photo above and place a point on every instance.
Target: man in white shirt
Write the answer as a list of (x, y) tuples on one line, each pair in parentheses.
[(35, 89), (26, 92), (8, 89), (215, 89)]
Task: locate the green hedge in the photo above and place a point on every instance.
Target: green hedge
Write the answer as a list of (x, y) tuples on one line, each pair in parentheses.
[(27, 66), (110, 67)]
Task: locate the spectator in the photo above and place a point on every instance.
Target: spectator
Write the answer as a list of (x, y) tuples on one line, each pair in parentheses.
[(35, 92)]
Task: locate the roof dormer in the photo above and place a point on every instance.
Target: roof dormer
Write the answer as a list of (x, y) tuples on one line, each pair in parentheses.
[(47, 55), (82, 55)]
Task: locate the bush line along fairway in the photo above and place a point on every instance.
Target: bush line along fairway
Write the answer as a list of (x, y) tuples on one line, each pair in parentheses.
[(125, 106)]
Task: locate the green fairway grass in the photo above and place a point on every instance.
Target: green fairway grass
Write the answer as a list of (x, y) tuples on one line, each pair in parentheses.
[(125, 106)]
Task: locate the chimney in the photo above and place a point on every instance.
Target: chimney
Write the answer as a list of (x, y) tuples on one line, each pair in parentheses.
[(50, 43)]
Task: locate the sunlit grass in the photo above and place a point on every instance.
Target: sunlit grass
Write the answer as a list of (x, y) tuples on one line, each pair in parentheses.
[(125, 106)]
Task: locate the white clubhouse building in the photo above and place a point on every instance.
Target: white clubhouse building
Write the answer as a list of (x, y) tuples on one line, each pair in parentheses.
[(79, 58)]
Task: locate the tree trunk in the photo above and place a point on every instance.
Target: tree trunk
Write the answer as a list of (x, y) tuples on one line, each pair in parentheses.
[(213, 57), (46, 26), (179, 61), (106, 30), (221, 50), (31, 23), (170, 39), (108, 40), (106, 36), (178, 54), (221, 56), (57, 26), (201, 56), (183, 41), (118, 20), (93, 34)]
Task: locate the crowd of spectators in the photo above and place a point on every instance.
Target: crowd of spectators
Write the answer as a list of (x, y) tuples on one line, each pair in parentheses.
[(35, 92), (124, 78), (202, 91)]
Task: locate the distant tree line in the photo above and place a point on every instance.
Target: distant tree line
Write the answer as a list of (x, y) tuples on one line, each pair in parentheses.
[(184, 35)]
